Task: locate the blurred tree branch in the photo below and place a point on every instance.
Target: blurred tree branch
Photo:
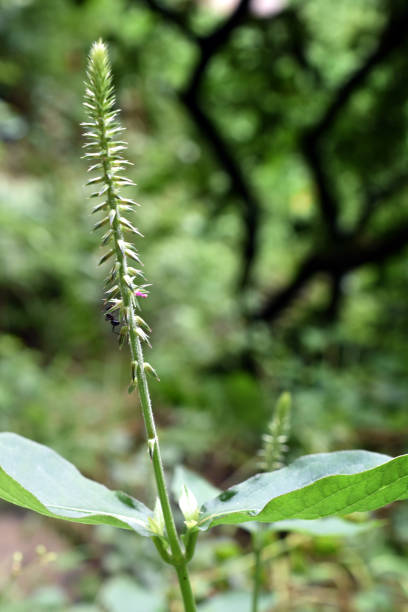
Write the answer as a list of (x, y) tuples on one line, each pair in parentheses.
[(209, 45), (171, 16), (338, 251), (343, 252), (337, 261), (394, 33), (375, 197)]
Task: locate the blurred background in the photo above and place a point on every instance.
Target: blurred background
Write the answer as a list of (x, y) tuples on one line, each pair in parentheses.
[(270, 146)]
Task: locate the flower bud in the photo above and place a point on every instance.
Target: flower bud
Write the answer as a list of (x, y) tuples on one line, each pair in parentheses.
[(189, 507)]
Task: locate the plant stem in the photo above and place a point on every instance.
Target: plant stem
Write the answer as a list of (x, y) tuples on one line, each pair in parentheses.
[(257, 573), (105, 150), (190, 543), (137, 356), (185, 588), (177, 556)]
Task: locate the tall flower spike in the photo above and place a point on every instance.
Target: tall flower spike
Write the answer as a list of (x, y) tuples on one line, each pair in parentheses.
[(122, 284), (105, 152)]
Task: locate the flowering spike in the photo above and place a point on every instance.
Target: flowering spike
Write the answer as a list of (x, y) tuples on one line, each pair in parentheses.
[(102, 132), (274, 441), (106, 157)]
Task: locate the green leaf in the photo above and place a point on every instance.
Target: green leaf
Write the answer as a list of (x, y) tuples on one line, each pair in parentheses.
[(122, 594), (331, 526), (312, 487), (34, 476), (238, 601), (202, 489)]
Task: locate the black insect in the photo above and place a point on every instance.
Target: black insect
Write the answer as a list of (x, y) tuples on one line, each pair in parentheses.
[(114, 322)]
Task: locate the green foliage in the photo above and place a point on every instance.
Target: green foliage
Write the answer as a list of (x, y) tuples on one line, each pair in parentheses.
[(122, 595), (235, 602), (35, 477), (313, 486), (59, 373)]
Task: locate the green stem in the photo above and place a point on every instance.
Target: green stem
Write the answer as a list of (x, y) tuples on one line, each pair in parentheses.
[(257, 574), (177, 558), (162, 549), (185, 587), (190, 542)]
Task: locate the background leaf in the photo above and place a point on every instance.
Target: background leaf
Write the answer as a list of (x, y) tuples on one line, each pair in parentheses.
[(34, 476), (238, 601), (312, 487), (331, 526), (122, 594)]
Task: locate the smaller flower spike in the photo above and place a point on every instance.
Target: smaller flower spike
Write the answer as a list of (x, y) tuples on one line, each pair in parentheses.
[(105, 152)]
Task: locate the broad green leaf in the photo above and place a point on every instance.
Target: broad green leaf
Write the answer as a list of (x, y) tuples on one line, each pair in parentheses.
[(238, 601), (312, 487), (202, 489), (122, 594), (34, 476)]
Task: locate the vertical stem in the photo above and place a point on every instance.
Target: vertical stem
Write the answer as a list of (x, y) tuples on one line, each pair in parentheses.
[(154, 447), (178, 557), (105, 149), (257, 573), (185, 588), (137, 355)]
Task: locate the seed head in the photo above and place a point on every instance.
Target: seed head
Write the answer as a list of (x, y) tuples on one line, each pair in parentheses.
[(105, 152)]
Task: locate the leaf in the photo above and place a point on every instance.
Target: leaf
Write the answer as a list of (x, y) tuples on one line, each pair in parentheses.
[(331, 526), (122, 594), (202, 489), (238, 601), (312, 487), (84, 608), (34, 476)]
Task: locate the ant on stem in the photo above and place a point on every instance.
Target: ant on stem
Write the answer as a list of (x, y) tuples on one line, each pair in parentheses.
[(114, 322)]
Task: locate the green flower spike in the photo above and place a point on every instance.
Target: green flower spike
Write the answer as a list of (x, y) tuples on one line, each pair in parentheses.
[(105, 152), (274, 441)]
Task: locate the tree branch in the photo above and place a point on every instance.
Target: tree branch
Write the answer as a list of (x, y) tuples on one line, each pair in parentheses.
[(249, 204), (393, 34), (337, 262), (209, 45), (375, 197)]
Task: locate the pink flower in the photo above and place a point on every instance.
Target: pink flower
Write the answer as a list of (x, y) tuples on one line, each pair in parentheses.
[(141, 294)]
